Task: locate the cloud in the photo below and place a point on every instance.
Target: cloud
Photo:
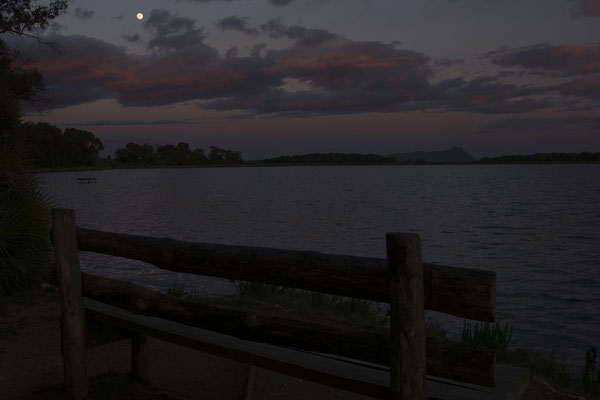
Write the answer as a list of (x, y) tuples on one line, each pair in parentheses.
[(127, 122), (301, 35), (280, 3), (135, 38), (567, 60), (235, 23), (446, 62), (542, 124), (171, 32), (83, 14), (588, 8), (334, 76)]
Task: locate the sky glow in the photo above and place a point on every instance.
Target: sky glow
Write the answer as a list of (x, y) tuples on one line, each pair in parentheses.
[(278, 77)]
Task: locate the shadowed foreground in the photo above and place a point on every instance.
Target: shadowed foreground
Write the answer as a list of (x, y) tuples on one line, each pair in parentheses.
[(31, 365)]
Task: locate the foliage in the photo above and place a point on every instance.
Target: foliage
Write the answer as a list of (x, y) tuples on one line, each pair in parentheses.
[(496, 336), (313, 304), (591, 374), (25, 253), (24, 18), (49, 147), (145, 155), (542, 366), (544, 158), (21, 17), (332, 158)]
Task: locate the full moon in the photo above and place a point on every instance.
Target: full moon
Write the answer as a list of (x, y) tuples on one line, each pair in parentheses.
[(140, 15)]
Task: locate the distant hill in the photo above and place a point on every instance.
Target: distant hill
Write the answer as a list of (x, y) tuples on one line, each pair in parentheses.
[(332, 158), (455, 154)]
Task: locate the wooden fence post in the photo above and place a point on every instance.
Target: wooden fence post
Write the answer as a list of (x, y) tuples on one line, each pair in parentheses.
[(407, 320), (64, 235), (139, 357)]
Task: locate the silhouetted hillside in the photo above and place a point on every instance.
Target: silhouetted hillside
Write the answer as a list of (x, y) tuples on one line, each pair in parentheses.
[(455, 154)]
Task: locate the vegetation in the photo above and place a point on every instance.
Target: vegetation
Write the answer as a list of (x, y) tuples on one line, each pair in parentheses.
[(332, 158), (591, 374), (48, 147), (545, 367), (584, 157), (25, 256), (25, 253), (179, 155)]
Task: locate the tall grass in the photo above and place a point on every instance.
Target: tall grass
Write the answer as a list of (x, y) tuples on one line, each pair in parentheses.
[(591, 374), (25, 253), (498, 336)]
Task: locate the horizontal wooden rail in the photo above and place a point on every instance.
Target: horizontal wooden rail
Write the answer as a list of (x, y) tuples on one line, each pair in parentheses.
[(463, 292), (444, 359)]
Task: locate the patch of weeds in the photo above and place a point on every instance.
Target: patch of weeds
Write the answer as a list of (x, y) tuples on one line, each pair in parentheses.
[(591, 374), (496, 336), (435, 329), (180, 292), (305, 303), (543, 366)]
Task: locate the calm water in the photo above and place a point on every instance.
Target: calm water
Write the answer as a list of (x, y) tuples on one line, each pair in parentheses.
[(536, 226)]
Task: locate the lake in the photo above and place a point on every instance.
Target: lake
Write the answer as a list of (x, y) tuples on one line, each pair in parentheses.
[(536, 226)]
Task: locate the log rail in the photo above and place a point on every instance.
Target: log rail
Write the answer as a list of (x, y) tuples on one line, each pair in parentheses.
[(401, 280)]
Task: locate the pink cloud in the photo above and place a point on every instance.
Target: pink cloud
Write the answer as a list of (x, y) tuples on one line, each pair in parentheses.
[(566, 59), (589, 8)]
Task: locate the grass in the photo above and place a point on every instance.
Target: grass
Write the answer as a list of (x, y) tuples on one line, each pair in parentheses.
[(498, 336), (591, 374), (25, 251)]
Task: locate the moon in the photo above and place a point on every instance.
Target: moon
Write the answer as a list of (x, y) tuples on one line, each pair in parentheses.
[(139, 16)]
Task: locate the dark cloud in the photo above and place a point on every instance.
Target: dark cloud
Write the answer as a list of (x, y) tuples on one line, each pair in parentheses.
[(235, 23), (567, 60), (300, 34), (83, 13), (446, 62), (280, 3), (232, 52), (135, 38), (542, 124), (588, 87), (336, 76), (126, 122), (171, 32), (588, 8)]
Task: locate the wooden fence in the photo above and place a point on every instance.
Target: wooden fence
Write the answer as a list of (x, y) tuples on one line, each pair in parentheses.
[(401, 280)]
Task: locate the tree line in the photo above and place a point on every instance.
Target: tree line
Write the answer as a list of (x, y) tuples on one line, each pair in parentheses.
[(181, 154), (332, 158), (49, 147), (584, 157)]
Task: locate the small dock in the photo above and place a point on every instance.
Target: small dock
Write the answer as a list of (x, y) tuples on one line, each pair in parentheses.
[(86, 180)]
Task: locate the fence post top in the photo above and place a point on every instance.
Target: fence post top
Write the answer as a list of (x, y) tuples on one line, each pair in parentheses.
[(406, 235)]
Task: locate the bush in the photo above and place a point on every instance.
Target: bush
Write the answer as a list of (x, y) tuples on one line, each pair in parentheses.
[(591, 374), (25, 255)]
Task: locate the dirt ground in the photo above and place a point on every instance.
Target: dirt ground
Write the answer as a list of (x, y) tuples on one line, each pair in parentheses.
[(31, 365)]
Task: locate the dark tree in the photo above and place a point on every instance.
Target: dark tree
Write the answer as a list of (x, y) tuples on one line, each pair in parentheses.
[(26, 17)]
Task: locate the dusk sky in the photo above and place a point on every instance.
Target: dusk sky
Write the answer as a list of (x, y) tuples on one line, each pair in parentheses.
[(281, 77)]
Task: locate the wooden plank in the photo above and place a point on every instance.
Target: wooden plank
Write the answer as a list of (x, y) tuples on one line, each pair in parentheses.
[(370, 344), (98, 334), (73, 337), (463, 292), (343, 373), (139, 357), (407, 322)]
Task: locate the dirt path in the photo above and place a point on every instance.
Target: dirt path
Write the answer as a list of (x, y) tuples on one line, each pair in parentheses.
[(31, 365)]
